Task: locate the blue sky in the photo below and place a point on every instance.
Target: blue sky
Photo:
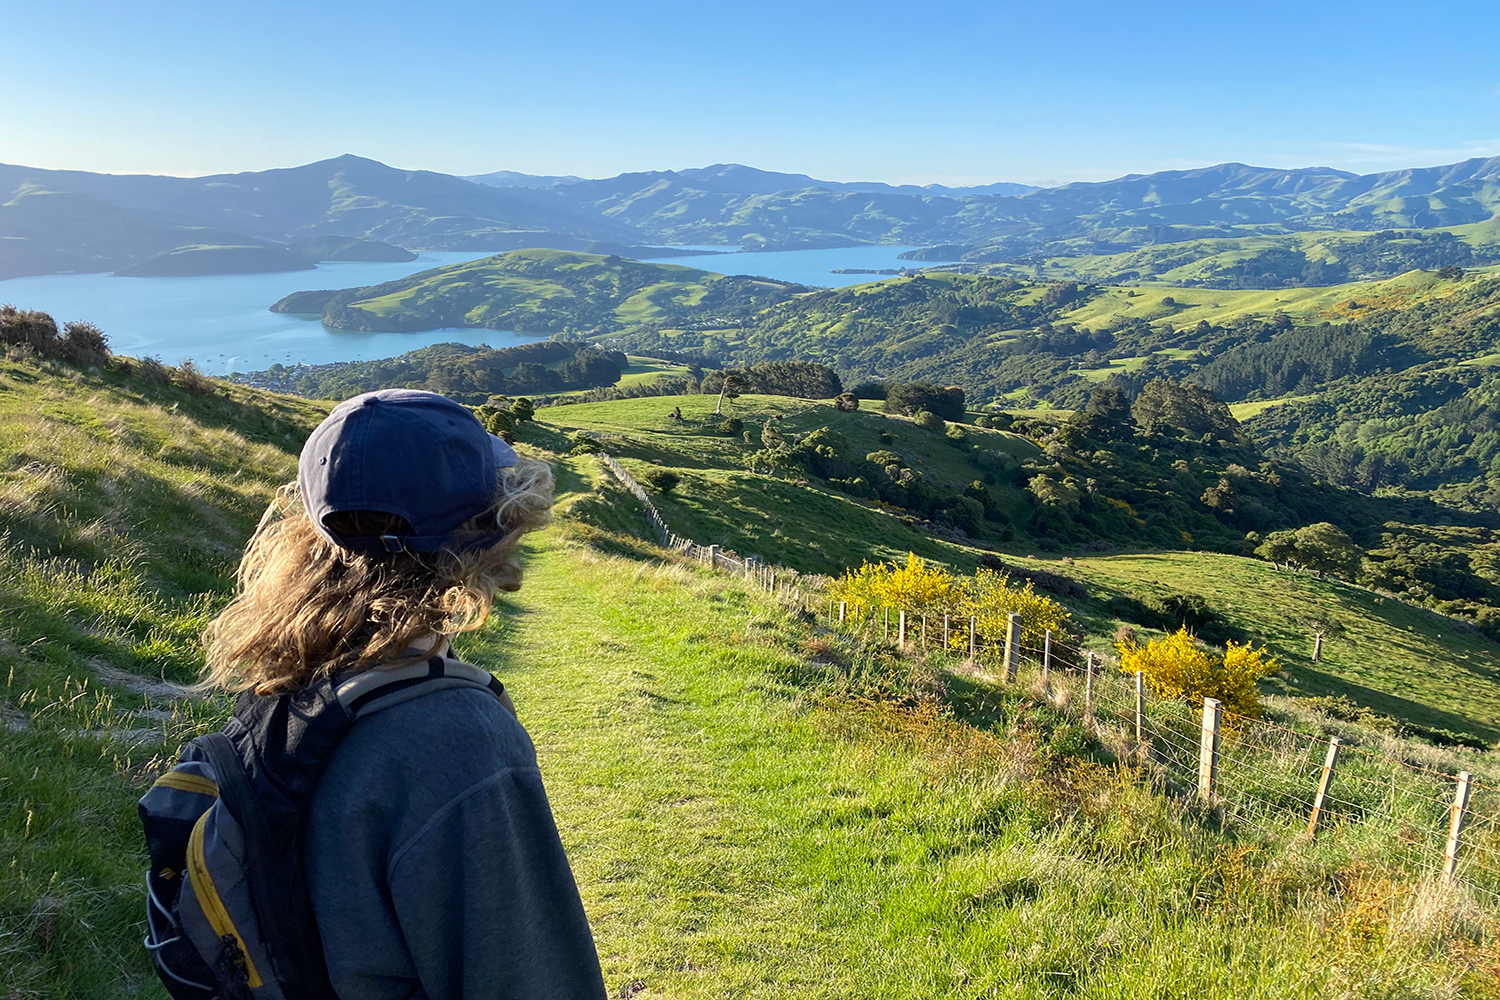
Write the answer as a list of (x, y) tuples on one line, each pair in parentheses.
[(900, 92)]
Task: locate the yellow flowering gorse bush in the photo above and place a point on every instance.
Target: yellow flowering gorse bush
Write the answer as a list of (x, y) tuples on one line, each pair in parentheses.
[(991, 600), (1175, 667), (914, 586), (920, 589)]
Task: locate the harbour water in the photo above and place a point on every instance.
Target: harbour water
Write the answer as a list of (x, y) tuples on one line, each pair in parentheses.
[(224, 324)]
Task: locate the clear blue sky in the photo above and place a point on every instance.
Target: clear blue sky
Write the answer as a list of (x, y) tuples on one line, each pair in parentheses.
[(902, 92)]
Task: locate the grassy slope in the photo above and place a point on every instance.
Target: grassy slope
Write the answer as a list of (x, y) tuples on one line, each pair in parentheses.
[(536, 281), (1399, 660), (1195, 261), (123, 506), (1220, 305), (732, 833), (722, 503)]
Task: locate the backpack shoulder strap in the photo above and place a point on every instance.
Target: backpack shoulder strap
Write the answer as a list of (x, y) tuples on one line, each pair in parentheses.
[(378, 688)]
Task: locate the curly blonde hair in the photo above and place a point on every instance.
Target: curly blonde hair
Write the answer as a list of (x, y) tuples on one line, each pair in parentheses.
[(305, 608)]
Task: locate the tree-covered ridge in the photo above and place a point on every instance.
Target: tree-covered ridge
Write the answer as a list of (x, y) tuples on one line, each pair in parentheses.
[(544, 291), (469, 374)]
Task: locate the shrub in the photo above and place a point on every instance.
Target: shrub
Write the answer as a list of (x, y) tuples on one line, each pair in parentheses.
[(84, 344), (152, 370), (1176, 667), (989, 597), (868, 390), (846, 402), (523, 410), (29, 329), (956, 436), (190, 377), (662, 480), (731, 427), (909, 397), (498, 422), (914, 586), (927, 420)]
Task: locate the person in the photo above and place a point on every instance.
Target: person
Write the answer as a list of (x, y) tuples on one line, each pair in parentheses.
[(432, 861)]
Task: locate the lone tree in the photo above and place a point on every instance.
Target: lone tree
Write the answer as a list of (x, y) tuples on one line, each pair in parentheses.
[(1323, 627), (1323, 548), (734, 381)]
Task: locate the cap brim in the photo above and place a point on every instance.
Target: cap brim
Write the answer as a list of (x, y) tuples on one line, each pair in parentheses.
[(505, 455)]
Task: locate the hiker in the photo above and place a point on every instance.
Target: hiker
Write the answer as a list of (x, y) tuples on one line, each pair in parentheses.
[(416, 845)]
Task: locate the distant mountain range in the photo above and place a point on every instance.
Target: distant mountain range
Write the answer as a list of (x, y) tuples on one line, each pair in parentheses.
[(734, 178), (54, 220)]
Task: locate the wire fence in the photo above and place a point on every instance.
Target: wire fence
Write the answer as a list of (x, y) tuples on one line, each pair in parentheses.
[(773, 579), (1285, 784)]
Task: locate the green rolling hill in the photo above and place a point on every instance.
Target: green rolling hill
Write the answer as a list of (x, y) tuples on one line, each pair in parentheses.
[(544, 291)]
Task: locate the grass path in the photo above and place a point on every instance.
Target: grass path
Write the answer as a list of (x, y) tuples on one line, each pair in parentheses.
[(733, 839)]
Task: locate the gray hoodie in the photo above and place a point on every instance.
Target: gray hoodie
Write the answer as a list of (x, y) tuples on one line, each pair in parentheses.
[(435, 867)]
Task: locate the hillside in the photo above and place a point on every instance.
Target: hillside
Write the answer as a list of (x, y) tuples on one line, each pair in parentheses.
[(1302, 259), (322, 248), (191, 260), (546, 291), (1425, 671), (771, 808), (111, 221)]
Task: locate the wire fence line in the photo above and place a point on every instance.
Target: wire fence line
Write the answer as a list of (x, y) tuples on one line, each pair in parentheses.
[(1286, 784), (774, 579), (1281, 782)]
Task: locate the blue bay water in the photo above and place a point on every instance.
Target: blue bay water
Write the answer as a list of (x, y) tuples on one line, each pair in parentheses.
[(223, 322)]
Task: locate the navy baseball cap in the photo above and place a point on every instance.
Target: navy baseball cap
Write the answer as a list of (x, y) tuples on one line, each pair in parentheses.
[(417, 455)]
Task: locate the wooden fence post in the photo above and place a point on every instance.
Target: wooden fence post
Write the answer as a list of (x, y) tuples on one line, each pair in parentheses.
[(1323, 782), (887, 633), (1047, 657), (901, 629), (945, 633), (1140, 706), (1208, 750), (843, 610), (973, 639), (1012, 646), (1456, 826), (1088, 687), (924, 633)]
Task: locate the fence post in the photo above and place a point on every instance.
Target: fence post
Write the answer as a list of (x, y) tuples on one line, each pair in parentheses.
[(1323, 782), (945, 633), (1208, 750), (973, 639), (1047, 657), (1456, 826), (1012, 646), (1088, 687), (843, 610), (1140, 706), (887, 633), (901, 629), (924, 633)]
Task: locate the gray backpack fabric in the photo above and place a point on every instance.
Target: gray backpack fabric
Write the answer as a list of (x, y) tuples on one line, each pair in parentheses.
[(227, 905)]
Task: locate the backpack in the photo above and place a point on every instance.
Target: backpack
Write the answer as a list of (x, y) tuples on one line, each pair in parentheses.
[(227, 904)]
